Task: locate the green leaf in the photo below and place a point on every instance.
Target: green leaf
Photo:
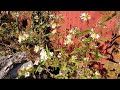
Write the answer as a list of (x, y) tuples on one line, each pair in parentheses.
[(96, 53), (84, 32), (47, 50), (47, 34), (87, 40), (76, 50), (39, 69), (99, 55), (107, 18), (104, 40)]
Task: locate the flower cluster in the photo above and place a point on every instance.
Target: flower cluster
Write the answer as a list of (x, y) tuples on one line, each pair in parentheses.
[(54, 31), (36, 18), (94, 35), (36, 48), (68, 39), (73, 31), (22, 37), (24, 70), (59, 55), (85, 16), (44, 56)]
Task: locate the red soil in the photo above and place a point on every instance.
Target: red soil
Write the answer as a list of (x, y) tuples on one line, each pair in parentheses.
[(72, 19)]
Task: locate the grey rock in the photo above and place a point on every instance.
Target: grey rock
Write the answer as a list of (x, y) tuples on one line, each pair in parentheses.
[(14, 72)]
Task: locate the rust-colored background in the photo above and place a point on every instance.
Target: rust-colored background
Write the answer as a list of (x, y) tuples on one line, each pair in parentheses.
[(72, 19)]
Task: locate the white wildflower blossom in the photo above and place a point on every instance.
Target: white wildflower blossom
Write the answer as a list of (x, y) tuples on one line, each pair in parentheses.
[(17, 14), (92, 30), (69, 36), (59, 55), (51, 53), (36, 48), (60, 73), (28, 67), (68, 42), (27, 74), (22, 68), (16, 78), (83, 39), (36, 18), (41, 47), (86, 59), (54, 25), (85, 16), (97, 73), (26, 35), (96, 46), (72, 31), (73, 57), (51, 15), (43, 55), (54, 31), (95, 36), (22, 37), (36, 61)]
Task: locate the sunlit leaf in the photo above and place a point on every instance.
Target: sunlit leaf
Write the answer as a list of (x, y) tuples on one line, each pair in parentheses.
[(84, 32)]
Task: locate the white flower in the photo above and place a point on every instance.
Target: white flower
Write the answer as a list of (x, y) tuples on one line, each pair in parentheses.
[(51, 15), (41, 47), (69, 41), (72, 31), (36, 61), (51, 53), (27, 74), (96, 46), (36, 18), (89, 76), (28, 67), (92, 30), (22, 68), (16, 78), (54, 31), (60, 73), (22, 37), (54, 25), (83, 40), (26, 36), (97, 73), (69, 36), (65, 43), (95, 36), (73, 57), (36, 48), (86, 59), (59, 55), (16, 14), (85, 16), (43, 55)]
